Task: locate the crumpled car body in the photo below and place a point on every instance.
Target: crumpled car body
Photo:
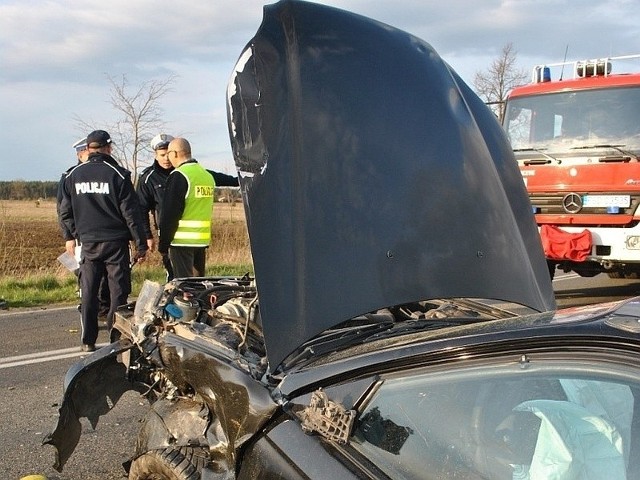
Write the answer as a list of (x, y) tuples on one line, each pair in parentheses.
[(443, 388), (400, 323)]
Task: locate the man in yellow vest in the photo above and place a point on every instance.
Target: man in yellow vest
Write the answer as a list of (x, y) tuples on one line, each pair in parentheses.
[(185, 219)]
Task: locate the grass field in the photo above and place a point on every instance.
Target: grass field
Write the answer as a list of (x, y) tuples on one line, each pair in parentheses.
[(30, 242)]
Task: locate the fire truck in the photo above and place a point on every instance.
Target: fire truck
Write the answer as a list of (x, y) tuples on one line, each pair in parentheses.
[(575, 132)]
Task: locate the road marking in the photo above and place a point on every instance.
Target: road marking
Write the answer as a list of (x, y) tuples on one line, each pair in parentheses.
[(41, 357), (22, 311)]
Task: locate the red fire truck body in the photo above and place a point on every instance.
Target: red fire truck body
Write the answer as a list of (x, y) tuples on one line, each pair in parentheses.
[(577, 142)]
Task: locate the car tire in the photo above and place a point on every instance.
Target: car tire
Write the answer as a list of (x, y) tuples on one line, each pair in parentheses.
[(185, 463)]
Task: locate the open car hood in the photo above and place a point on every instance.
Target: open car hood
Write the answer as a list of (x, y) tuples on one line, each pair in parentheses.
[(371, 176)]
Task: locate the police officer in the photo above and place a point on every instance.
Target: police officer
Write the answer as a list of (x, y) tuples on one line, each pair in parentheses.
[(99, 203), (150, 190), (82, 154), (185, 220)]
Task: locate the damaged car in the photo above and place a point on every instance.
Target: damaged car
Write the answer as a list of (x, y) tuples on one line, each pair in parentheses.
[(400, 322)]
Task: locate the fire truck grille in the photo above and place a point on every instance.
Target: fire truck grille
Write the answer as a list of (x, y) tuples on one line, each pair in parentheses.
[(572, 204)]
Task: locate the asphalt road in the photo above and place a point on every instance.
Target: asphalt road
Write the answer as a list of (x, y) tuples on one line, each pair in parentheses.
[(38, 346), (574, 291)]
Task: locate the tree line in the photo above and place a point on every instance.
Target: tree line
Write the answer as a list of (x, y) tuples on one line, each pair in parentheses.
[(28, 190)]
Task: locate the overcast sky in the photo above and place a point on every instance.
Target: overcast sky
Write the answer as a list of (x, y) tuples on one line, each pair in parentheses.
[(55, 56)]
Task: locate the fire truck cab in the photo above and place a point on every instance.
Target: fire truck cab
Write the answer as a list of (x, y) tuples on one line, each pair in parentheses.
[(577, 143)]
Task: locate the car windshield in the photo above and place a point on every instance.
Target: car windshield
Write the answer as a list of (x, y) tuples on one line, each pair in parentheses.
[(548, 419), (562, 121)]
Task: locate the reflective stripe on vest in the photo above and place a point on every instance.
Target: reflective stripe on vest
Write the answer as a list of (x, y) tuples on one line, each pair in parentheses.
[(194, 228)]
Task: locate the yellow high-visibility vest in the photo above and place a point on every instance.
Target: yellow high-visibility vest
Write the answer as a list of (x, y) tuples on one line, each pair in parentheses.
[(194, 228)]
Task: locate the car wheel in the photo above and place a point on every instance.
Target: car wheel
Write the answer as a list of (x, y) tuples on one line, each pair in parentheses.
[(184, 463)]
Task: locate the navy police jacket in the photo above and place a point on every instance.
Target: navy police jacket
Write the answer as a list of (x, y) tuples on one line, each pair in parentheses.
[(66, 233), (98, 203), (151, 193)]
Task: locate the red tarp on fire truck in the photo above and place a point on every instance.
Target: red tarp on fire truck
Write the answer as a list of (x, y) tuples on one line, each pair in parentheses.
[(561, 245)]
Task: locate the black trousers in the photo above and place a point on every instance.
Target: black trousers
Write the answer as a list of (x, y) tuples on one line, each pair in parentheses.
[(166, 262), (104, 299), (99, 259), (188, 261)]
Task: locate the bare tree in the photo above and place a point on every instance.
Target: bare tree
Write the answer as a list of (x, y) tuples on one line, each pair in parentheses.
[(493, 84), (140, 118)]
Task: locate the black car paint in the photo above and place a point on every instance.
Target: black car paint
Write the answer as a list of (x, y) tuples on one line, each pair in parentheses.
[(544, 339), (368, 166), (233, 407), (91, 388), (239, 406)]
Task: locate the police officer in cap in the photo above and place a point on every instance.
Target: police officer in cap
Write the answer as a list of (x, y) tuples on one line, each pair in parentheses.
[(82, 154), (100, 205), (150, 189)]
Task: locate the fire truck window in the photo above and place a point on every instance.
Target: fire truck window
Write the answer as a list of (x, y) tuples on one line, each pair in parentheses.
[(519, 127), (566, 120), (557, 126), (544, 124)]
